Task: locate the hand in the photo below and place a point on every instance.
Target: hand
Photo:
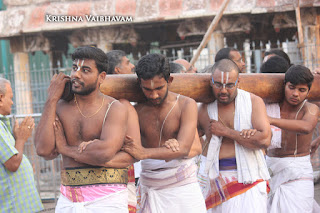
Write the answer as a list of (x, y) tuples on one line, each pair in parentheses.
[(247, 133), (129, 146), (57, 85), (217, 128), (270, 120), (61, 141), (83, 146), (172, 144), (314, 145), (24, 130)]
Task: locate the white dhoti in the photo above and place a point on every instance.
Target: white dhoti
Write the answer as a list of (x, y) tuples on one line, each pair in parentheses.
[(291, 184), (169, 187), (113, 203)]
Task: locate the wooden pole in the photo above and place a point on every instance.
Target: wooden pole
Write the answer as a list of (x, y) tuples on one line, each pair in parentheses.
[(207, 36), (270, 87), (300, 31)]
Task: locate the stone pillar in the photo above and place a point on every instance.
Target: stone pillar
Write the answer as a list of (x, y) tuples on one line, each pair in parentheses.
[(22, 84), (214, 45), (311, 46), (247, 55)]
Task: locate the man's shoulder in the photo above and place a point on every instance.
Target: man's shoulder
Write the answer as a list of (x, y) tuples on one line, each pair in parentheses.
[(203, 106), (310, 104), (116, 104), (255, 98), (186, 100), (64, 106), (312, 108)]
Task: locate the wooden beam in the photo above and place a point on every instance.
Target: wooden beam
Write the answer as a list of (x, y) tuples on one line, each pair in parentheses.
[(270, 87)]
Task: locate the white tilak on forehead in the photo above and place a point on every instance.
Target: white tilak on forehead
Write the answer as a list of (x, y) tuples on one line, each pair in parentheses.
[(222, 75), (227, 77), (152, 84), (78, 64)]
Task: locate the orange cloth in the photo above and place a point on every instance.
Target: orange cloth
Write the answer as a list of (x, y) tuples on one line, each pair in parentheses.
[(230, 190), (131, 179)]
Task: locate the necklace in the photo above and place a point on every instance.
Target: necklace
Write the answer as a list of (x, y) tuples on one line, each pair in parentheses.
[(222, 120), (75, 100), (166, 119)]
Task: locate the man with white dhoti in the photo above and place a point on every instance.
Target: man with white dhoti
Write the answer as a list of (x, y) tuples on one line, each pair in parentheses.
[(168, 182), (288, 158), (233, 174)]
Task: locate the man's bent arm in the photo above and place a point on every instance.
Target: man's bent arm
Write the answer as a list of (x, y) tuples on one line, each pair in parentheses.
[(185, 136), (315, 145), (123, 159), (304, 126), (120, 160), (196, 148), (14, 162), (21, 134), (44, 134), (104, 149), (261, 139)]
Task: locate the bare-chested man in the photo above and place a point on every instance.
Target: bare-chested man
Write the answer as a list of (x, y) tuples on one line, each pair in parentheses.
[(99, 123), (233, 174), (168, 180), (291, 182)]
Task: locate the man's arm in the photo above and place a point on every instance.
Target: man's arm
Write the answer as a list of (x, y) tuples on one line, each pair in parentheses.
[(203, 120), (123, 159), (195, 149), (186, 134), (100, 150), (261, 138), (314, 145), (21, 133), (304, 126), (44, 134)]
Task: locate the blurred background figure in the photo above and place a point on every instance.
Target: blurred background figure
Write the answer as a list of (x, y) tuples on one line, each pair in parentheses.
[(207, 69), (186, 64), (275, 64), (232, 54), (271, 53), (176, 68), (119, 63)]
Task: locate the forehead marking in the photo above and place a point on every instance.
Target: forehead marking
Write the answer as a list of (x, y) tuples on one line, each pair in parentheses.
[(78, 64), (227, 77), (222, 75)]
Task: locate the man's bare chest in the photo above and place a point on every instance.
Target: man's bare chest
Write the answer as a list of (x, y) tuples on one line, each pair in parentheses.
[(153, 123), (79, 129)]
